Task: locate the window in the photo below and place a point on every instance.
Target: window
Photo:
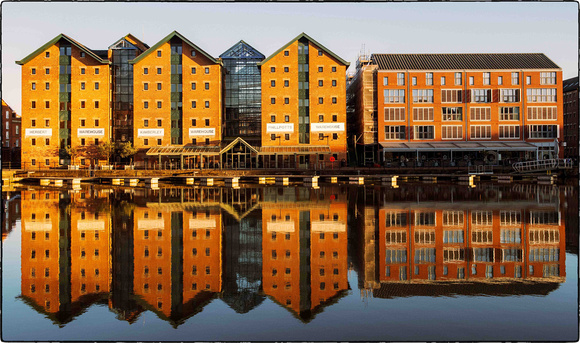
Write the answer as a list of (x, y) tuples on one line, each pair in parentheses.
[(320, 69), (548, 78), (480, 131), (46, 122), (394, 113), (145, 71), (47, 86), (334, 69), (206, 70), (500, 80), (333, 83), (471, 82), (334, 117), (96, 86), (510, 95), (385, 81), (480, 114), (394, 95), (543, 131), (451, 113), (442, 80), (82, 85), (47, 71), (47, 141), (509, 113), (486, 78), (424, 132), (272, 101), (146, 104), (33, 71), (481, 95), (33, 86), (422, 95), (423, 114), (286, 101), (82, 141), (286, 69), (414, 80), (509, 131), (451, 132), (320, 83), (273, 119), (207, 122), (541, 95), (158, 53), (33, 122), (515, 78), (400, 79), (207, 104), (96, 71), (458, 78), (158, 71), (528, 80), (33, 104), (286, 118), (96, 104), (334, 100), (542, 113), (273, 137), (395, 132), (429, 79), (451, 95), (320, 100), (287, 136), (82, 104), (47, 104)]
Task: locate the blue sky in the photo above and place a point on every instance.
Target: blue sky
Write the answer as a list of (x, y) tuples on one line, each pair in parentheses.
[(344, 28)]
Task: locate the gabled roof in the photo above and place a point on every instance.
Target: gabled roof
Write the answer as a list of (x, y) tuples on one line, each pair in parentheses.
[(235, 141), (165, 40), (570, 84), (462, 61), (129, 38), (304, 35), (54, 41), (242, 50)]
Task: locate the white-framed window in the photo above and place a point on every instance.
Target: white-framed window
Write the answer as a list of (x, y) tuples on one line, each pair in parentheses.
[(545, 218), (453, 218), (541, 95), (400, 79), (394, 114), (510, 95), (422, 95), (486, 78), (480, 114), (544, 236), (511, 255), (528, 80), (451, 95), (480, 131), (481, 95), (395, 237), (451, 113), (543, 113), (451, 132), (429, 79), (395, 256), (471, 81), (385, 81), (425, 255), (510, 236), (442, 80), (394, 132), (424, 132), (543, 131), (393, 219), (423, 114), (548, 78), (509, 113), (509, 132), (458, 78), (453, 255), (500, 80), (515, 78), (452, 236), (425, 218), (425, 236), (394, 95)]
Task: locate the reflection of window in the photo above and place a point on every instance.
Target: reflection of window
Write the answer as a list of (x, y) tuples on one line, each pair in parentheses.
[(544, 254), (453, 218), (396, 236), (425, 255), (482, 255), (425, 236), (510, 236), (551, 270), (511, 255), (453, 254), (395, 219), (482, 236), (483, 218), (545, 218), (453, 236), (542, 236), (393, 256), (425, 218)]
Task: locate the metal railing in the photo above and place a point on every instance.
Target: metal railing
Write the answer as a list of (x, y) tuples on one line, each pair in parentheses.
[(543, 165)]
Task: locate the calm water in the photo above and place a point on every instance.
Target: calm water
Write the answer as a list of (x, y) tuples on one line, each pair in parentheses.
[(417, 262)]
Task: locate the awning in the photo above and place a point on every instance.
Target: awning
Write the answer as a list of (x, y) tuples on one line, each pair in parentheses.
[(184, 150), (458, 146), (294, 150)]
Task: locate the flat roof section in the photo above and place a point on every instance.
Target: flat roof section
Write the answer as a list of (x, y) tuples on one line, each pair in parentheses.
[(466, 146)]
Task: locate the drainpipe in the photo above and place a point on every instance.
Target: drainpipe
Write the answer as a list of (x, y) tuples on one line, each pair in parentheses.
[(408, 99)]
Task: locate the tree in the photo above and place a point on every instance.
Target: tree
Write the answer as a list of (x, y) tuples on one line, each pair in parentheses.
[(73, 152), (126, 149), (106, 150)]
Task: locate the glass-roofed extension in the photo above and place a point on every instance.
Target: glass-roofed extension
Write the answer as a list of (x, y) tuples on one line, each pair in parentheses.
[(243, 93)]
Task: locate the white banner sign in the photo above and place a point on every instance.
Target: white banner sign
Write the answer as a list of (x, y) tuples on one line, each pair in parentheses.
[(328, 226), (38, 132), (150, 224), (91, 132), (326, 127), (150, 133), (289, 127), (91, 225), (37, 226), (202, 132), (202, 223), (280, 226)]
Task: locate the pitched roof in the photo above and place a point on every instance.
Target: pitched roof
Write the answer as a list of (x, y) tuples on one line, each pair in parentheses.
[(304, 35), (132, 40), (463, 61), (165, 40), (242, 50), (570, 84), (54, 41)]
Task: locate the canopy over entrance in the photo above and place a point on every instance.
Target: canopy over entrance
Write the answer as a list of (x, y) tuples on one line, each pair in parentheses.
[(458, 146)]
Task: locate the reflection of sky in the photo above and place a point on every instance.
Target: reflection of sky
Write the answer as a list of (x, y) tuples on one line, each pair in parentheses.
[(344, 28)]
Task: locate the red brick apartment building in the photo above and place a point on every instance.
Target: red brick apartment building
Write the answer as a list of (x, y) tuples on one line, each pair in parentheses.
[(571, 118), (459, 109), (11, 143)]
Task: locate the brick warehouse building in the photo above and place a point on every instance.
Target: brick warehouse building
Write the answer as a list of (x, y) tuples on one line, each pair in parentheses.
[(571, 118), (461, 109), (168, 101), (11, 132)]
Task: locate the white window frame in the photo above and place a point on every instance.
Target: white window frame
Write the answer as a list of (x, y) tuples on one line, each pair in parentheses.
[(538, 125), (533, 113), (475, 96), (395, 132), (393, 96), (486, 116), (509, 116), (452, 116), (507, 94), (416, 132), (472, 135), (515, 78), (394, 114), (548, 78), (450, 94), (458, 79), (421, 96), (456, 130), (502, 128), (429, 79), (486, 78), (423, 114), (400, 79)]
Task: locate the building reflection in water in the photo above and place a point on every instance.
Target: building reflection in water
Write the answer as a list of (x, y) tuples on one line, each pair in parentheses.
[(173, 251)]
